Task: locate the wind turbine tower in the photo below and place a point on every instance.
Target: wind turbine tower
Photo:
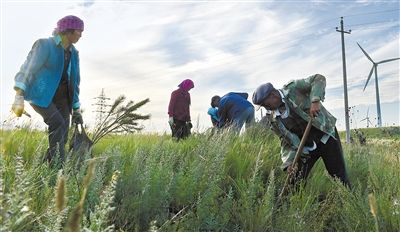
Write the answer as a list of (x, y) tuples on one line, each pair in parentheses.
[(375, 69), (367, 119)]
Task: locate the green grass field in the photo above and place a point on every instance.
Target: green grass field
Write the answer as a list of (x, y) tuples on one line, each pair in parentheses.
[(208, 182)]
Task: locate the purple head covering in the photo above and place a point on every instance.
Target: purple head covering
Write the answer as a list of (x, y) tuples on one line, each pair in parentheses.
[(69, 22), (186, 85)]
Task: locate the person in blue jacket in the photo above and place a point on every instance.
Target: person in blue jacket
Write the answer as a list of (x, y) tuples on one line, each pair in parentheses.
[(234, 110), (49, 80)]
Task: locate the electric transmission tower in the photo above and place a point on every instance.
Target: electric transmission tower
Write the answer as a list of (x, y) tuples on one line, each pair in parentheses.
[(101, 106)]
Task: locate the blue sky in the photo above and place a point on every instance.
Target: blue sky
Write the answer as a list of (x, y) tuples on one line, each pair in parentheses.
[(145, 49)]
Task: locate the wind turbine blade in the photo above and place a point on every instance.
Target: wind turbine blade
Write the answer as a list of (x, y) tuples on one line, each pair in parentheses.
[(363, 119), (385, 61), (369, 77), (367, 112), (365, 53)]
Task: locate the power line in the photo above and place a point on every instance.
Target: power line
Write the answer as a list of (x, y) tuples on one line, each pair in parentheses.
[(258, 41), (252, 42), (254, 49), (229, 61), (369, 23), (281, 34), (161, 72), (374, 12), (377, 27)]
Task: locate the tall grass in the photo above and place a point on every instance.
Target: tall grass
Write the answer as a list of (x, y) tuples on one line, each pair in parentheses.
[(208, 182)]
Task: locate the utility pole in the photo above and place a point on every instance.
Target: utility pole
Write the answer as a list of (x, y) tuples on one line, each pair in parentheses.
[(101, 106), (346, 104)]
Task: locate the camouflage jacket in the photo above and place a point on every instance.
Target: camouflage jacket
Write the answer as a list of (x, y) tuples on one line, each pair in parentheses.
[(299, 94)]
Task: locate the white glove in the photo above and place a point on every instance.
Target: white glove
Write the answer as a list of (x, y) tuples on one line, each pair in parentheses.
[(171, 121), (307, 150), (18, 105)]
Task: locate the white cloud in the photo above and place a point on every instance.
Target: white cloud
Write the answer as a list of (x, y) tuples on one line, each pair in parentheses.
[(145, 49)]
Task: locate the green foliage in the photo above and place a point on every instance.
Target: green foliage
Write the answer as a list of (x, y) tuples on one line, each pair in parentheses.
[(390, 132), (16, 214), (208, 182), (34, 197), (99, 218)]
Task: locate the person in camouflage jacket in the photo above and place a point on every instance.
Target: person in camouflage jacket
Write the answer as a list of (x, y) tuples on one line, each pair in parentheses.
[(289, 109)]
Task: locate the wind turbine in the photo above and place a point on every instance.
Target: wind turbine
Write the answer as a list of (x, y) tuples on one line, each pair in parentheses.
[(367, 118), (375, 68)]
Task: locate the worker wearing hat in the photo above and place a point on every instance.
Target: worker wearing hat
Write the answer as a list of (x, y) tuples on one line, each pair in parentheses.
[(290, 108), (49, 80)]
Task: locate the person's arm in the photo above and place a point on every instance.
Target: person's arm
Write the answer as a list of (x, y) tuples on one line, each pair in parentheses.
[(189, 119), (285, 135), (76, 112), (287, 156), (315, 86), (37, 57), (172, 104), (76, 103), (289, 143), (213, 121)]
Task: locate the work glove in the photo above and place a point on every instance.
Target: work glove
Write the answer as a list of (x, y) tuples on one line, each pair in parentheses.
[(18, 105), (171, 121), (77, 116)]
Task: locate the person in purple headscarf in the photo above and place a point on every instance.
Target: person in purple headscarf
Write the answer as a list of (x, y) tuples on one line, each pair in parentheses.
[(178, 110), (49, 80)]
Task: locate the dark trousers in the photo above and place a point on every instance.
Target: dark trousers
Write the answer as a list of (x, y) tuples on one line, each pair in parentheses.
[(180, 129), (57, 117), (332, 156)]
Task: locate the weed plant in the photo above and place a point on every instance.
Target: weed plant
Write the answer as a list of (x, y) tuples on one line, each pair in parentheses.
[(208, 182)]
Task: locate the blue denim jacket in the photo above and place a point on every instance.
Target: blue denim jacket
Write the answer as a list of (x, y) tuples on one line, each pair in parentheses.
[(40, 75)]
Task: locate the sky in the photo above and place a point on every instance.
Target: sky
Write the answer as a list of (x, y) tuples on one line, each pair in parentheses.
[(144, 49)]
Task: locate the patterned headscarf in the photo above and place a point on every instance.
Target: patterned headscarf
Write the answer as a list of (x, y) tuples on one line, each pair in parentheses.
[(69, 22), (186, 85)]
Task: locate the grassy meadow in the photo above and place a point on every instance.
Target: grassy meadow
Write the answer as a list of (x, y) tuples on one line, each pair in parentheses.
[(208, 182)]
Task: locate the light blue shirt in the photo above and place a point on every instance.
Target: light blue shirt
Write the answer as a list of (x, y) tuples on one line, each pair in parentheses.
[(213, 112)]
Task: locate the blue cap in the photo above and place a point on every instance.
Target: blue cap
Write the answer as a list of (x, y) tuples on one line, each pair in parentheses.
[(261, 93)]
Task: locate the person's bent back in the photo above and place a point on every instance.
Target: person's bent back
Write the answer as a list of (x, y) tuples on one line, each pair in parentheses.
[(234, 110)]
